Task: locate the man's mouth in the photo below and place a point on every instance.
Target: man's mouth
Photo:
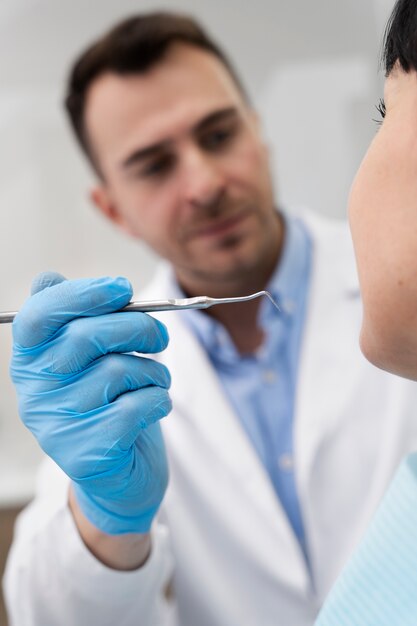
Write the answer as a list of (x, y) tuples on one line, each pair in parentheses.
[(221, 226)]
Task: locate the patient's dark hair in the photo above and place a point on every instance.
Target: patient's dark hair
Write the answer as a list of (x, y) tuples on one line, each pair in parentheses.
[(400, 41), (133, 46)]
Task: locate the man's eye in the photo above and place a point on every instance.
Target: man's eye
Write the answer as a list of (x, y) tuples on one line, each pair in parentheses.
[(218, 138), (380, 107), (158, 166)]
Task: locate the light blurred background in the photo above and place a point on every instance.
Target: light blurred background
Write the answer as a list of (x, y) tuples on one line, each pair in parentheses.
[(311, 69)]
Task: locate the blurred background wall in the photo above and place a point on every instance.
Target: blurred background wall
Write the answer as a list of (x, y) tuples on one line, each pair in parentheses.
[(311, 69)]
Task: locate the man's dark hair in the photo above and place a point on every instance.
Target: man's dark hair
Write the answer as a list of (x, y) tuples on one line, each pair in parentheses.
[(400, 41), (132, 47)]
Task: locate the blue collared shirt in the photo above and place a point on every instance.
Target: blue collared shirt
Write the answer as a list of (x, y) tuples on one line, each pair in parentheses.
[(261, 386)]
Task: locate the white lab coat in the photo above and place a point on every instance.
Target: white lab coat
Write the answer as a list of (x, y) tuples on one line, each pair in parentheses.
[(222, 531)]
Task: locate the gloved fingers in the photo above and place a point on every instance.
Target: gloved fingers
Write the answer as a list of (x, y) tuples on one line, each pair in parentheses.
[(86, 339), (82, 422), (110, 377), (44, 280), (99, 440), (133, 412), (96, 440), (50, 309)]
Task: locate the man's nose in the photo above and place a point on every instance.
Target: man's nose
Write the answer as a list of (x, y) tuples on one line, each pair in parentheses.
[(204, 183)]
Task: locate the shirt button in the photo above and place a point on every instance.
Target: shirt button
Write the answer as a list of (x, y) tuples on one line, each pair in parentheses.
[(269, 376), (289, 306), (286, 462)]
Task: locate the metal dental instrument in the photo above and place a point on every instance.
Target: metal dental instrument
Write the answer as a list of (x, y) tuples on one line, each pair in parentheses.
[(179, 304)]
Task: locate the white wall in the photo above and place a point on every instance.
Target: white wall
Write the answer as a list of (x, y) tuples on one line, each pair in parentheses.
[(311, 68)]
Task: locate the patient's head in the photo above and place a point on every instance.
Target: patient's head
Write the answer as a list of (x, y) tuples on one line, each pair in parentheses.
[(383, 208)]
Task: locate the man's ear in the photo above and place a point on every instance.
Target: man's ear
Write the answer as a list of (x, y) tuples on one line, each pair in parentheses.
[(102, 200)]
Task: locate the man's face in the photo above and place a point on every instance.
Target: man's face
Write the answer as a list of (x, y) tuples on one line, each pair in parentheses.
[(184, 167)]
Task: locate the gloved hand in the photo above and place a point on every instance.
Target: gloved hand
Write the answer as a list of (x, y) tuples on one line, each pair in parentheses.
[(93, 408)]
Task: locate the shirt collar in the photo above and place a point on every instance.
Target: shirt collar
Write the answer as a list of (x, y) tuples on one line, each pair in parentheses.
[(285, 286)]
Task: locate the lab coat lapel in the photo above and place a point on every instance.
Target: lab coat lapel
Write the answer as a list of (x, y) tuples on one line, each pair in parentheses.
[(209, 410), (328, 367), (206, 406)]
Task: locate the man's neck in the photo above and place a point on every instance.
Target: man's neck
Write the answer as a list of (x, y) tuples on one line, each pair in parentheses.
[(241, 320)]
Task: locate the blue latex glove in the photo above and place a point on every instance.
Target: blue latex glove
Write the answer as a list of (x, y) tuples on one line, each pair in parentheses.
[(93, 408)]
